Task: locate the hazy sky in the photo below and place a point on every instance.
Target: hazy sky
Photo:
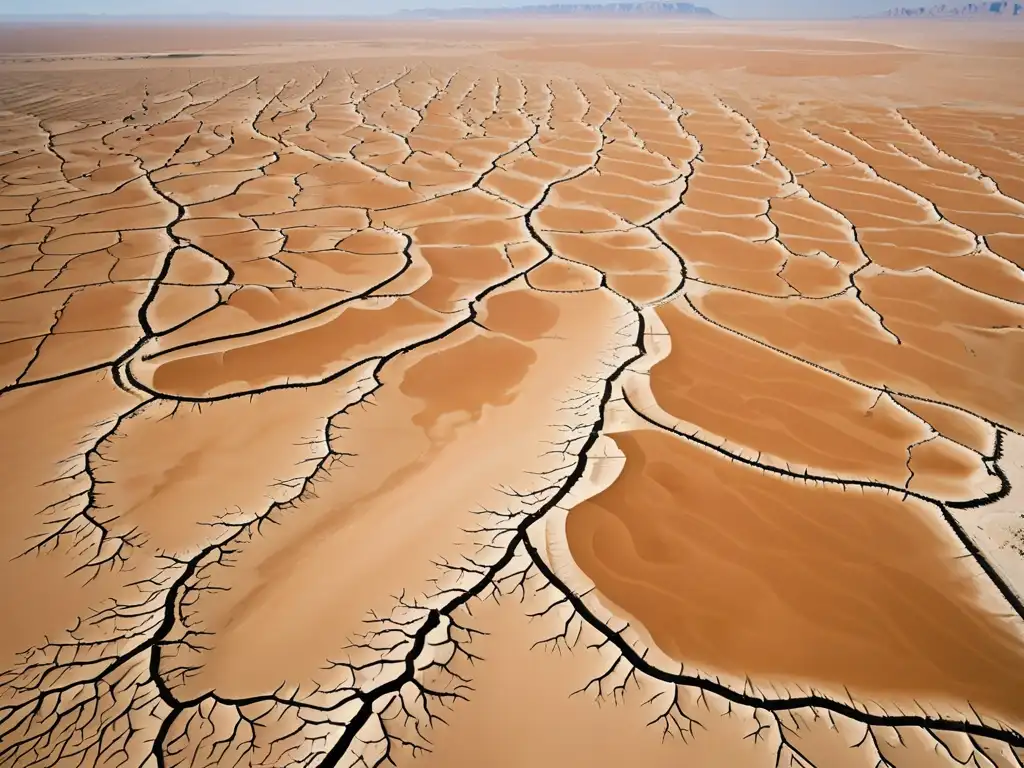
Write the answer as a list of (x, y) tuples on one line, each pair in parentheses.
[(735, 8)]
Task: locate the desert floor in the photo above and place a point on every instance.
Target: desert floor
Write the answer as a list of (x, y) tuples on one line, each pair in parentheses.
[(512, 395)]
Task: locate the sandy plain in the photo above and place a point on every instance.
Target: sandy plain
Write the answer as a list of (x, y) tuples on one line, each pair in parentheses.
[(465, 394)]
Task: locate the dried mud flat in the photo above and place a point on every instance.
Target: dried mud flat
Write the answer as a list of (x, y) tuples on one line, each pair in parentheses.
[(402, 396)]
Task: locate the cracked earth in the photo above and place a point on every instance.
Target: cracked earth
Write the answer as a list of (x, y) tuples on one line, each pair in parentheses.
[(493, 406)]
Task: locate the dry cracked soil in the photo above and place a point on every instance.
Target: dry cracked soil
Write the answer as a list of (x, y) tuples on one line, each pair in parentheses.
[(515, 395)]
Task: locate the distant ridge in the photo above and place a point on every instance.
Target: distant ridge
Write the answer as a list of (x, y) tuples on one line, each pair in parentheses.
[(999, 9), (566, 9)]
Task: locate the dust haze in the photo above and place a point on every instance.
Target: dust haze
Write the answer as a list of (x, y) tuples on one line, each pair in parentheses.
[(562, 393)]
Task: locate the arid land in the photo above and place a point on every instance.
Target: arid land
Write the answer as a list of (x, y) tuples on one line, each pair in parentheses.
[(463, 394)]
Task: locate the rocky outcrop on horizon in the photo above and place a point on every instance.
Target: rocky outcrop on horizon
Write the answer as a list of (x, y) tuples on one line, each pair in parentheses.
[(999, 9), (568, 9)]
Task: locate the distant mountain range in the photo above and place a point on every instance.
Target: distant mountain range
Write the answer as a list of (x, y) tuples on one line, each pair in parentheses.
[(566, 9), (973, 10)]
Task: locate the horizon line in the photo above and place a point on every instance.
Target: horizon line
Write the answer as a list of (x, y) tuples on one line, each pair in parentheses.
[(400, 14)]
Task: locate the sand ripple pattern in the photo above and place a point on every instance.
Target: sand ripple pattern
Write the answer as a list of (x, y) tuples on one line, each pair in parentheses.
[(331, 362)]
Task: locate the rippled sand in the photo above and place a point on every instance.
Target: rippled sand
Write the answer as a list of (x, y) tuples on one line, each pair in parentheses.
[(757, 574), (472, 394)]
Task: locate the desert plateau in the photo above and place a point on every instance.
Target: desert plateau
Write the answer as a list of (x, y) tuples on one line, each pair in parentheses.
[(513, 393)]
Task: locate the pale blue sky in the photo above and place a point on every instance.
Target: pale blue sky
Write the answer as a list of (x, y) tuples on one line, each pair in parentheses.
[(733, 8)]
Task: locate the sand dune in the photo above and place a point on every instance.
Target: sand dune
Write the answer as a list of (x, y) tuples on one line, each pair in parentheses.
[(721, 564)]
